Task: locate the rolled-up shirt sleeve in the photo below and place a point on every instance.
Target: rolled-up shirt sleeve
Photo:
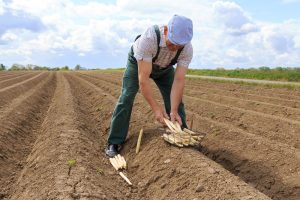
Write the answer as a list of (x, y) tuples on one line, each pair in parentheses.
[(185, 56), (145, 47)]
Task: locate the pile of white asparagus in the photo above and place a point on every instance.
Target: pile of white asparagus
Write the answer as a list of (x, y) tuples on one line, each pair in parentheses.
[(119, 163), (176, 136)]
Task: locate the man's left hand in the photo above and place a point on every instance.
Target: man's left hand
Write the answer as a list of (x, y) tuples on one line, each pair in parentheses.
[(175, 117)]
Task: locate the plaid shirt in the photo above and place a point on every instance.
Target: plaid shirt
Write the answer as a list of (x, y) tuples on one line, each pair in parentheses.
[(145, 48)]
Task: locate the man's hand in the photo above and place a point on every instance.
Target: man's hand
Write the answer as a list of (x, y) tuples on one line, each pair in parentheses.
[(144, 72), (160, 114), (175, 118)]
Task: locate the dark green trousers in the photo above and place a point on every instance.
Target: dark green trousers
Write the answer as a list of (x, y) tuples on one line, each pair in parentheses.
[(130, 86)]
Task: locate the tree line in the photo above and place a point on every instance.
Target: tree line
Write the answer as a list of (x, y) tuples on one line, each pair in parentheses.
[(19, 67)]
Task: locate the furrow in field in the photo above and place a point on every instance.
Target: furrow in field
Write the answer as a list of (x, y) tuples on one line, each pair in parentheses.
[(20, 83), (15, 103), (280, 111), (11, 76), (46, 172), (64, 162), (155, 179), (244, 153), (281, 93), (251, 104), (14, 80), (271, 167), (270, 99), (18, 132), (8, 95), (275, 128), (288, 102)]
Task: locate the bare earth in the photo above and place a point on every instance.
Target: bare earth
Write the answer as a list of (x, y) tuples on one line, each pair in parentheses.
[(245, 80), (251, 151)]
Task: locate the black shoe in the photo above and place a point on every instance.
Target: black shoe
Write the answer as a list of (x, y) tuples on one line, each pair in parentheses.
[(112, 150)]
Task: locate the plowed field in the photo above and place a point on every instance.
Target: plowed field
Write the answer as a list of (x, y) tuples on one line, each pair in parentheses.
[(251, 151)]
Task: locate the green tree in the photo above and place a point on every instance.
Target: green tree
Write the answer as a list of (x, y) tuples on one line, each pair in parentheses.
[(264, 68), (55, 69), (2, 67), (65, 68), (77, 67), (16, 67)]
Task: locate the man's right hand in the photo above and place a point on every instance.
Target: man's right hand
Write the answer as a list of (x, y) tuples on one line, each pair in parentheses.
[(160, 114), (144, 72)]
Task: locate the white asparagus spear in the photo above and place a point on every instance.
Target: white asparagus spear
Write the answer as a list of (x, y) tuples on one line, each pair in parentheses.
[(192, 120), (122, 161), (181, 140), (139, 141), (200, 137), (166, 137), (178, 126), (119, 162), (172, 140), (193, 133), (177, 129), (168, 131), (184, 135), (113, 163), (125, 178), (189, 131), (169, 125)]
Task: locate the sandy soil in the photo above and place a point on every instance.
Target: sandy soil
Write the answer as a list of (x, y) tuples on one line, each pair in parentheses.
[(47, 119)]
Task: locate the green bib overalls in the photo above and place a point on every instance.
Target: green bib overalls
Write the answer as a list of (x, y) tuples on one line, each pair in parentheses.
[(162, 77)]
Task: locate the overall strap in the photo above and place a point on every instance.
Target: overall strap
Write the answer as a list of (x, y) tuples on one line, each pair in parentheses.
[(137, 37), (174, 60), (156, 28)]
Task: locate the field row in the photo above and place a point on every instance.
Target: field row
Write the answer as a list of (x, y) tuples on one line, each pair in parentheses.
[(53, 119)]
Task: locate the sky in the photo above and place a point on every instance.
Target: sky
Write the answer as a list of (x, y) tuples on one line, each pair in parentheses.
[(99, 33)]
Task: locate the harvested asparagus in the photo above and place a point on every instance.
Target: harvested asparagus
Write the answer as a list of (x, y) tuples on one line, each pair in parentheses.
[(139, 141), (172, 140), (168, 131), (172, 126), (116, 161), (119, 163), (113, 163), (178, 126), (125, 164), (189, 131), (125, 178), (193, 133), (122, 161), (180, 137), (192, 120)]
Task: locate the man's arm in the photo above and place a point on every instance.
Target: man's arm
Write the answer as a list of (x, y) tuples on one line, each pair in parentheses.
[(144, 71), (144, 82), (177, 92)]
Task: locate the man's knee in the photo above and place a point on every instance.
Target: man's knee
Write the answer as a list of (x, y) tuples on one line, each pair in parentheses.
[(127, 97)]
